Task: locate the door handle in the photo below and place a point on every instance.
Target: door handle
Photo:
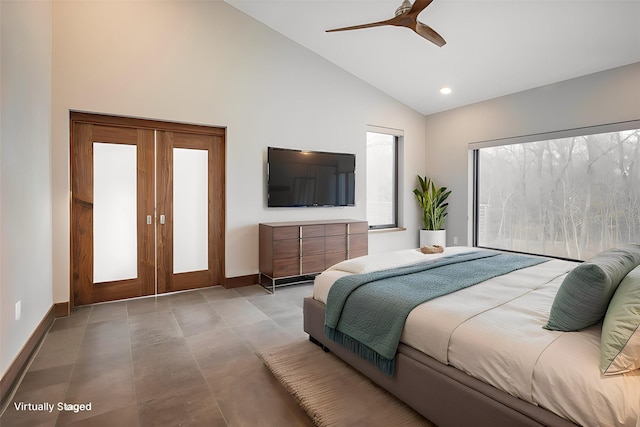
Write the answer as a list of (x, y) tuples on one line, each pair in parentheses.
[(161, 219), (148, 219)]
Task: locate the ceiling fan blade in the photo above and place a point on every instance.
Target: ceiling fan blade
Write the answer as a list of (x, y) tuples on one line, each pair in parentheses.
[(429, 33), (419, 6), (358, 27), (407, 19)]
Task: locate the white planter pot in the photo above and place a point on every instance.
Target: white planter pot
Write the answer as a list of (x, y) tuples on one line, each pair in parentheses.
[(433, 237)]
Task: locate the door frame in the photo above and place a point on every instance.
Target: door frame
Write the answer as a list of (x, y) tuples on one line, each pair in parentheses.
[(217, 247)]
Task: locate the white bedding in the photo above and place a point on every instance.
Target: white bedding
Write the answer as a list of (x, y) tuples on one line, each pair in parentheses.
[(493, 331)]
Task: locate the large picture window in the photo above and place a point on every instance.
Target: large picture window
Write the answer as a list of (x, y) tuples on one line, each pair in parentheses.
[(382, 179), (570, 194)]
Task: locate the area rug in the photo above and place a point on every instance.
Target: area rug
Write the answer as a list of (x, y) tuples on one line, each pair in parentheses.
[(331, 392)]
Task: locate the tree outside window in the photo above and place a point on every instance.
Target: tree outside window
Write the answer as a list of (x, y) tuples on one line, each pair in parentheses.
[(569, 197)]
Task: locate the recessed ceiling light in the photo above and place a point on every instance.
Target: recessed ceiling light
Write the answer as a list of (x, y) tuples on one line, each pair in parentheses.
[(445, 90)]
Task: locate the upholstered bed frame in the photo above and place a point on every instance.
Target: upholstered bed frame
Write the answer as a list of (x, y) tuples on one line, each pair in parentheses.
[(441, 393)]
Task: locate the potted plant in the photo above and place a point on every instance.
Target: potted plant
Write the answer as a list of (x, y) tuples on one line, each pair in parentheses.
[(434, 210)]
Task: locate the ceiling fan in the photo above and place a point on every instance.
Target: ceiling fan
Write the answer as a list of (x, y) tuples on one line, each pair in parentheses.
[(406, 16)]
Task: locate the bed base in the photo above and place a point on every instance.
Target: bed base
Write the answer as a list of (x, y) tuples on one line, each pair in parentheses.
[(441, 393)]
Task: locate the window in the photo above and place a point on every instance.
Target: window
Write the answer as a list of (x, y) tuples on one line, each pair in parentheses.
[(568, 194), (382, 178)]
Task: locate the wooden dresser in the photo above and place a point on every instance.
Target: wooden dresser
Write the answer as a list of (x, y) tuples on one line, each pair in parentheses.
[(290, 251)]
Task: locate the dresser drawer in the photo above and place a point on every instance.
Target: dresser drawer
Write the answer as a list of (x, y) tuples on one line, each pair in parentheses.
[(313, 246), (313, 264), (358, 227), (334, 258), (286, 267), (286, 248), (282, 233), (336, 229), (312, 231), (357, 253), (358, 242), (336, 243)]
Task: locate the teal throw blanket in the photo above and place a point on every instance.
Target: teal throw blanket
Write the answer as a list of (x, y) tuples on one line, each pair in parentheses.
[(366, 312)]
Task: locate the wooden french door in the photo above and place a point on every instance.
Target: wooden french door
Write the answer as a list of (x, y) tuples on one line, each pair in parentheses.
[(147, 212), (174, 275)]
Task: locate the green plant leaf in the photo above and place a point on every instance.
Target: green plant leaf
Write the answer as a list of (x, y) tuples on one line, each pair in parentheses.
[(431, 200)]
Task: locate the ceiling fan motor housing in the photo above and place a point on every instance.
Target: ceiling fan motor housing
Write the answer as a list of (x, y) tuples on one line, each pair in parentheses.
[(403, 8)]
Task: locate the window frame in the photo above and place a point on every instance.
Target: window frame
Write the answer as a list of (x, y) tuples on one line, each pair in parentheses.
[(397, 138), (475, 147)]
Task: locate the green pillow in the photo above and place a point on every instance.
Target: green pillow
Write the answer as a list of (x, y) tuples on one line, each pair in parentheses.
[(620, 343), (584, 295)]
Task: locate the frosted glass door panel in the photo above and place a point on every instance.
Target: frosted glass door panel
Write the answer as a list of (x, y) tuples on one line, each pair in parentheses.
[(190, 210), (115, 242)]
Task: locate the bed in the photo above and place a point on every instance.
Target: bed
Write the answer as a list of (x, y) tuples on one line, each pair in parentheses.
[(480, 356)]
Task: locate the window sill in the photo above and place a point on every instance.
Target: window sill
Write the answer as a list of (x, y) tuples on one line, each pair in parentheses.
[(386, 230)]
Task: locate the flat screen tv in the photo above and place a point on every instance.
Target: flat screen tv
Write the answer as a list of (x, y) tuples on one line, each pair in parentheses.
[(298, 178)]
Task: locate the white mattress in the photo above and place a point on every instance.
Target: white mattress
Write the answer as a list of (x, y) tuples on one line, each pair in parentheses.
[(493, 331)]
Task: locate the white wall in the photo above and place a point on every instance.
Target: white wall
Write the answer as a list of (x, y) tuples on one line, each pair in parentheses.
[(207, 63), (605, 97), (25, 182)]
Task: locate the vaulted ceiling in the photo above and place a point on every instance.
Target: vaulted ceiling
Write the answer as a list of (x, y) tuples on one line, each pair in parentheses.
[(493, 47)]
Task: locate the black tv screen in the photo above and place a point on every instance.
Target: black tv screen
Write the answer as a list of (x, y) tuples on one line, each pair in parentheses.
[(299, 178)]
